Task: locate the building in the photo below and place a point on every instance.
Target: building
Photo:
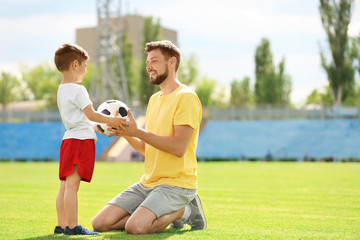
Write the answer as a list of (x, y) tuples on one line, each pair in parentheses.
[(133, 28)]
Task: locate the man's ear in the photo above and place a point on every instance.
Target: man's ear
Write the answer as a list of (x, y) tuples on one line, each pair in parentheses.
[(173, 61)]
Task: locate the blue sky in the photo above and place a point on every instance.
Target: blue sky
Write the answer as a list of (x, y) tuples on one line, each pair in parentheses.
[(222, 34)]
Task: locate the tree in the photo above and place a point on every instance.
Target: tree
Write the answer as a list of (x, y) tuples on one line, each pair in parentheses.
[(43, 82), (151, 32), (335, 18), (9, 86), (86, 82), (283, 84), (188, 70), (271, 86), (128, 61), (240, 93), (320, 98), (204, 90), (356, 51), (263, 70)]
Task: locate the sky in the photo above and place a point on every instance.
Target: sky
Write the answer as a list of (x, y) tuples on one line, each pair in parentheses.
[(223, 35)]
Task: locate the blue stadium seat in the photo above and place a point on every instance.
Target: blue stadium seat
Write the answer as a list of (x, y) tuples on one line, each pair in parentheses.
[(316, 138), (37, 140)]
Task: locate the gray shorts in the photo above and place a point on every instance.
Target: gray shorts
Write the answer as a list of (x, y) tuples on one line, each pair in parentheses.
[(161, 200)]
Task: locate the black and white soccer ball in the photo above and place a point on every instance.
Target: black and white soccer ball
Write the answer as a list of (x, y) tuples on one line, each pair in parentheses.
[(109, 108)]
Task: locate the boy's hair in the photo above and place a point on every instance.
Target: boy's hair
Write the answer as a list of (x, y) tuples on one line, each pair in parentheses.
[(67, 53), (167, 48)]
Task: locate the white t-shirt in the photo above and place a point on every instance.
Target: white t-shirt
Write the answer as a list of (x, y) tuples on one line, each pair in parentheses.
[(72, 99)]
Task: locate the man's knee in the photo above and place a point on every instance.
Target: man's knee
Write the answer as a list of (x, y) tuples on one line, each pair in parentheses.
[(136, 228), (98, 225)]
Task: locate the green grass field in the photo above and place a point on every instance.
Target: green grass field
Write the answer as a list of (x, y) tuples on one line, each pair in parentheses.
[(242, 200)]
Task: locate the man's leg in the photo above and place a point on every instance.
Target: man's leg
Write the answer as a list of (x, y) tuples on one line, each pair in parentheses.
[(144, 221), (111, 217)]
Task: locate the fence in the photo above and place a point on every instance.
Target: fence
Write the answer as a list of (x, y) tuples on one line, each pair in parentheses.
[(210, 113), (274, 113)]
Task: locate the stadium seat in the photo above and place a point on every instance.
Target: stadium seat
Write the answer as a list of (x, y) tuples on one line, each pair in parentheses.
[(284, 139), (37, 140)]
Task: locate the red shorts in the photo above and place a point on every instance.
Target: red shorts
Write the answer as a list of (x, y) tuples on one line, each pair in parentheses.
[(77, 152)]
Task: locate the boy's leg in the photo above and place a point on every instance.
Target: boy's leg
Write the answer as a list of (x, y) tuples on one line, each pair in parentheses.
[(61, 215), (70, 198), (111, 217), (144, 221)]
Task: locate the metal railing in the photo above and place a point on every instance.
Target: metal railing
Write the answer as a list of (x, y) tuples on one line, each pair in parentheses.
[(211, 113)]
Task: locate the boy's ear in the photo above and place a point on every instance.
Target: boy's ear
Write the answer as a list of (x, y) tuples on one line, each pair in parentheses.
[(74, 64)]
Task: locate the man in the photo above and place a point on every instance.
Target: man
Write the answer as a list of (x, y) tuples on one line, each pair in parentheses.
[(167, 192)]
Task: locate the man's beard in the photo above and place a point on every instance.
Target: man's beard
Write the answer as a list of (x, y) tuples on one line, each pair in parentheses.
[(160, 78)]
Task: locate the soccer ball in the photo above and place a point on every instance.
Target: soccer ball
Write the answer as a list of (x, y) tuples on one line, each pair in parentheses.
[(109, 108)]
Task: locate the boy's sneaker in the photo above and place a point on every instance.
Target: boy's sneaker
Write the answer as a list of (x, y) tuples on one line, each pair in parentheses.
[(197, 219), (178, 224), (79, 230), (58, 230)]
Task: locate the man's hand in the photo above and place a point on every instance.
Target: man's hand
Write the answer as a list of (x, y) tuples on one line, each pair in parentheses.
[(129, 127)]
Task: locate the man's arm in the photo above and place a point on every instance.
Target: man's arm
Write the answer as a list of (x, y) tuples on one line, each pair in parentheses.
[(136, 143), (176, 144)]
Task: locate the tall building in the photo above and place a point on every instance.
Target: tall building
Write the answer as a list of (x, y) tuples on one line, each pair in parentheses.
[(133, 28)]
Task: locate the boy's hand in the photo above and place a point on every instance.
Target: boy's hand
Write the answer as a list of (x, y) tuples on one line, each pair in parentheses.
[(118, 123), (129, 129), (97, 129)]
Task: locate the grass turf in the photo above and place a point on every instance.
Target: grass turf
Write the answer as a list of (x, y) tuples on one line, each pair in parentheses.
[(242, 200)]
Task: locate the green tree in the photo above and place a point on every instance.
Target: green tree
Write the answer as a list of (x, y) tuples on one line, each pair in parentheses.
[(128, 57), (188, 70), (151, 32), (204, 89), (240, 93), (128, 61), (9, 89), (264, 71), (43, 81), (86, 82), (271, 86), (320, 98), (356, 51), (283, 84), (335, 18)]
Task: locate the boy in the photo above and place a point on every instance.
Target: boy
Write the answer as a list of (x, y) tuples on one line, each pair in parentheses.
[(77, 151)]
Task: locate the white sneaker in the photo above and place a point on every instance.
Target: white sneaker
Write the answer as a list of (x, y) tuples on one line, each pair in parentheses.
[(197, 219)]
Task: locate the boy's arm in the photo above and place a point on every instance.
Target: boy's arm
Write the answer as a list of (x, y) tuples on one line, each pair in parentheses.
[(94, 116)]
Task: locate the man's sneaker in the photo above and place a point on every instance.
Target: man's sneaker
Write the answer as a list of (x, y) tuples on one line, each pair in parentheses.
[(58, 230), (178, 224), (197, 219), (79, 230)]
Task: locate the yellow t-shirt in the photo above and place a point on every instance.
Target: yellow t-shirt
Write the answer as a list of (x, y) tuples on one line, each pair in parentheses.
[(181, 107)]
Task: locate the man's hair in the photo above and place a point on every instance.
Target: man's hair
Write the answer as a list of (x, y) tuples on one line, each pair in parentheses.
[(167, 48), (67, 53)]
